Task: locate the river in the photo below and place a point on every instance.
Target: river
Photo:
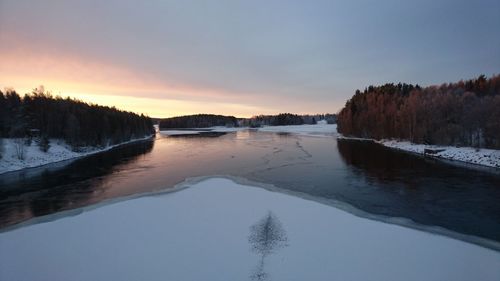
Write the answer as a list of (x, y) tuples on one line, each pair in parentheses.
[(365, 178)]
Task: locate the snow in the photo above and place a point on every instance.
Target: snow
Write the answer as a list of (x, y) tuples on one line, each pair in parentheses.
[(485, 157), (320, 129), (180, 132), (227, 129), (355, 138), (34, 157), (197, 131), (216, 230)]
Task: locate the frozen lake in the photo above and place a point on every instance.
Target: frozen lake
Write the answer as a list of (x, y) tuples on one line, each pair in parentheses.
[(361, 178), (220, 230)]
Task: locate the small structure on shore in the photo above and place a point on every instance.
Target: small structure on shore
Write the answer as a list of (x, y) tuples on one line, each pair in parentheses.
[(433, 151)]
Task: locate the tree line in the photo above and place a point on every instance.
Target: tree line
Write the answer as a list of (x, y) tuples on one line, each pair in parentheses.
[(78, 123), (198, 121), (284, 119), (211, 120), (276, 120), (465, 113)]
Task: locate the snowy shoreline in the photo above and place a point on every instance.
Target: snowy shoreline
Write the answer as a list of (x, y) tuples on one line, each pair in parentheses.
[(59, 151), (469, 155)]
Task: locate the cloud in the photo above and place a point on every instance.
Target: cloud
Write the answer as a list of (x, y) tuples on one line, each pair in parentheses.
[(284, 55)]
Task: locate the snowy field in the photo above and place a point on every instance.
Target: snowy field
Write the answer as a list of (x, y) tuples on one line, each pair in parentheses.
[(34, 157), (220, 230)]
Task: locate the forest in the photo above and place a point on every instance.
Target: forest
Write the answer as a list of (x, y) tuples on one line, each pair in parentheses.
[(276, 120), (287, 119), (211, 120), (198, 121), (43, 116), (465, 113)]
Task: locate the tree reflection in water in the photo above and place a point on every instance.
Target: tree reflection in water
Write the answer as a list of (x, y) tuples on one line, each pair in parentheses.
[(266, 236), (45, 190)]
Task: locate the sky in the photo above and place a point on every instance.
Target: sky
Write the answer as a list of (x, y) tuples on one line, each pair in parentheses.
[(242, 58)]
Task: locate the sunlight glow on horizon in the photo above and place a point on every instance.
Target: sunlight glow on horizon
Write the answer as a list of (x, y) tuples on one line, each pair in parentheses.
[(157, 107), (56, 77), (153, 107), (108, 85), (164, 108)]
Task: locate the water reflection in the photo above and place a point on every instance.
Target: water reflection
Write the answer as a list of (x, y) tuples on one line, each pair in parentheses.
[(266, 237), (73, 184), (377, 163), (426, 190)]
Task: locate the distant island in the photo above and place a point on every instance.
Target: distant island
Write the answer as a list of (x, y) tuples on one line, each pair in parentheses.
[(198, 121)]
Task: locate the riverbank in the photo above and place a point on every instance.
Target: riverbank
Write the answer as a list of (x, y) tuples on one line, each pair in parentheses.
[(480, 156), (34, 157), (469, 155)]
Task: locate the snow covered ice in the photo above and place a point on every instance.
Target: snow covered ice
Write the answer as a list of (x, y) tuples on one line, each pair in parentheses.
[(207, 232)]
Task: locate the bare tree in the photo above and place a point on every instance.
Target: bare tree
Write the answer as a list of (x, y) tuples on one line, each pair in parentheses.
[(19, 145)]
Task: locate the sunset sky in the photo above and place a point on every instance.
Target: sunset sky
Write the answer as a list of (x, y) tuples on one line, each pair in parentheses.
[(242, 58)]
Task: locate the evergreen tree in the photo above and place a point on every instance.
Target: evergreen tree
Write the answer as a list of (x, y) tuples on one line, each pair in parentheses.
[(76, 122)]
